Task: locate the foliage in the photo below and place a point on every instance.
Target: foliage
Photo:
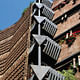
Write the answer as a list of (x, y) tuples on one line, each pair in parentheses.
[(70, 39), (68, 74), (26, 8), (61, 42), (31, 2), (71, 65)]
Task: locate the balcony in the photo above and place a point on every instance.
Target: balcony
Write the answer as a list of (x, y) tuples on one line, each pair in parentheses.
[(49, 27), (66, 50), (46, 25), (52, 74), (56, 3), (45, 11), (48, 3), (69, 23), (65, 9), (52, 49), (49, 48)]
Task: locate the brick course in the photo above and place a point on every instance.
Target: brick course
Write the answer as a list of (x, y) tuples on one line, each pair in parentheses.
[(14, 49), (64, 25)]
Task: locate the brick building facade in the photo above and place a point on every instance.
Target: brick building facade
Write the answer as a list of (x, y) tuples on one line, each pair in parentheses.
[(14, 49), (15, 41), (67, 18)]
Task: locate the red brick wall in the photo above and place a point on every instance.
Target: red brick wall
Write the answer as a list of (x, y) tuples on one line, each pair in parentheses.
[(64, 9), (70, 22), (14, 61), (65, 25), (68, 51)]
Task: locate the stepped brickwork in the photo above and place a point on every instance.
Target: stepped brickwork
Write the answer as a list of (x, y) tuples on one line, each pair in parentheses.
[(14, 49), (55, 42), (67, 18)]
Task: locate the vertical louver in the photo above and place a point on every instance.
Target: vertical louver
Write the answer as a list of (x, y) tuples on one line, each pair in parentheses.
[(50, 27), (43, 15), (54, 75), (47, 3), (47, 12), (52, 49)]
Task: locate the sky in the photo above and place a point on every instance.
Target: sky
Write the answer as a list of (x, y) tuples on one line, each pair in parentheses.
[(11, 11)]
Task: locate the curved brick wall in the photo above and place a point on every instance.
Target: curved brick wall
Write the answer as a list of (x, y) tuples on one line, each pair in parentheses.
[(14, 46)]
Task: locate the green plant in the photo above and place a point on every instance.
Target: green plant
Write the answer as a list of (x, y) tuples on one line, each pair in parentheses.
[(68, 74), (61, 42), (71, 65), (25, 10), (70, 40)]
